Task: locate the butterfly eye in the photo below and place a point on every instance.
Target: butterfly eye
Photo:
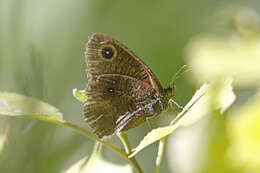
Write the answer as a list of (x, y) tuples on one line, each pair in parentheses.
[(108, 52)]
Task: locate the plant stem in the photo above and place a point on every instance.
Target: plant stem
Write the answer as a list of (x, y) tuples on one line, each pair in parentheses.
[(136, 165), (160, 155), (92, 136), (123, 137)]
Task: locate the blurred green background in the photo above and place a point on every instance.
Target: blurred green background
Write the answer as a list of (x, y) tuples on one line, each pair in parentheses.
[(42, 46)]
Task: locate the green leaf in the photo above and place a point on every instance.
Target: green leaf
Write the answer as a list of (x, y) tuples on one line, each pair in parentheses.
[(223, 98), (12, 104), (213, 58), (96, 164), (80, 95), (161, 132), (152, 137), (197, 107), (244, 132), (19, 106)]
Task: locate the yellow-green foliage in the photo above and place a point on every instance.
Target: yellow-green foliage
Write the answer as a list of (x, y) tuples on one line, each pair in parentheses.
[(42, 56)]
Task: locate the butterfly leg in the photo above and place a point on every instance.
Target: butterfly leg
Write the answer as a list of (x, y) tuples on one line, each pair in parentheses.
[(175, 106), (148, 123)]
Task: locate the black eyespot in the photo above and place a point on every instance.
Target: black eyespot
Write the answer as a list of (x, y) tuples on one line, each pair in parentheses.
[(111, 90), (107, 52)]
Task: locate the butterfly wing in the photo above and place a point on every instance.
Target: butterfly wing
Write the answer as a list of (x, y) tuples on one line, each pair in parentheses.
[(117, 102), (122, 62), (122, 90)]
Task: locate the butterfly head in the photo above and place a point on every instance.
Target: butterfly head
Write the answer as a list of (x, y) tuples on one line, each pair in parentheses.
[(169, 92)]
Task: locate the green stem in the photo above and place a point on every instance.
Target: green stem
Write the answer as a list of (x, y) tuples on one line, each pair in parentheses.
[(160, 155), (123, 137), (92, 136), (136, 165)]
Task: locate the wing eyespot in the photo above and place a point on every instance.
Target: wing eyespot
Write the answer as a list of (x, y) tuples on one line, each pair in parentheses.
[(111, 90), (114, 82), (108, 52)]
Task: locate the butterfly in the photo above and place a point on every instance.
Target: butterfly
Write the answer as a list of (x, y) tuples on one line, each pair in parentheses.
[(122, 91)]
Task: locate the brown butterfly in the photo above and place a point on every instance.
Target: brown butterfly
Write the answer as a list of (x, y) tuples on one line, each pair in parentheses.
[(122, 91)]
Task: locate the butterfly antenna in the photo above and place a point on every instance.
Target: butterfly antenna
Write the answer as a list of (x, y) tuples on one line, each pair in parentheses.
[(180, 72)]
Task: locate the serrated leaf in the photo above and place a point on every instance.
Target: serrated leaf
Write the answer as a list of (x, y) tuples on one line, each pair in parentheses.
[(196, 108), (80, 95), (12, 104)]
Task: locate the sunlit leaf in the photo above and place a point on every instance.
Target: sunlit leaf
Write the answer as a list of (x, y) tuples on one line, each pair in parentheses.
[(223, 98), (197, 107), (186, 148), (244, 131), (196, 147), (152, 137), (161, 132), (16, 105), (214, 58), (80, 95), (96, 164), (12, 104)]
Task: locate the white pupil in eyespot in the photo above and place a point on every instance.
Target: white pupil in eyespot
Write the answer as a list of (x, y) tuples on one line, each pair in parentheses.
[(107, 52)]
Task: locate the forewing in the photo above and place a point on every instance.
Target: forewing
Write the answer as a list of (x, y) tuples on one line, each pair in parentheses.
[(124, 62), (116, 103)]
